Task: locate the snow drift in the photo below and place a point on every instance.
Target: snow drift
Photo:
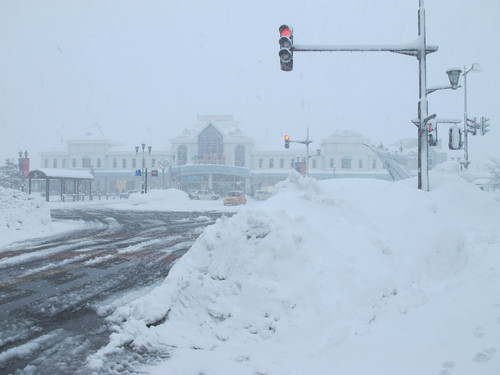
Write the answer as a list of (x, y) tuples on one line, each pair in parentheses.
[(337, 276), (22, 215)]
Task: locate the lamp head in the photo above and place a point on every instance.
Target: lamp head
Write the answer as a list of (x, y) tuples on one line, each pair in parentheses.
[(476, 67), (454, 76)]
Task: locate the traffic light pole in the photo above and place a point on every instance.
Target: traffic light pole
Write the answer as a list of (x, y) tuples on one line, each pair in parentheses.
[(466, 131), (306, 142), (419, 49)]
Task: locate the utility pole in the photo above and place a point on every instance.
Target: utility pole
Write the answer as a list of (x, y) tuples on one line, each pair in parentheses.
[(144, 169), (474, 68), (418, 49), (306, 142)]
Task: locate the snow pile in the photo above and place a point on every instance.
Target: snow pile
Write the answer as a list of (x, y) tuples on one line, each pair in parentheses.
[(338, 276), (22, 215), (169, 200), (157, 195)]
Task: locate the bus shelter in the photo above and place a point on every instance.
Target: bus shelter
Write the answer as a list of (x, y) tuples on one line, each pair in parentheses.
[(77, 179)]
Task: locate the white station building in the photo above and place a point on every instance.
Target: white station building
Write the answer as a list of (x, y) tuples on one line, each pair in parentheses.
[(215, 155)]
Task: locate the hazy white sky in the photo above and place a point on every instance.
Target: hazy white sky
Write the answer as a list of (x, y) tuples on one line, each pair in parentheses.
[(144, 69)]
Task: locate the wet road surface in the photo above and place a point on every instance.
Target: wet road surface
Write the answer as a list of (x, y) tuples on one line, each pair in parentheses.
[(56, 292)]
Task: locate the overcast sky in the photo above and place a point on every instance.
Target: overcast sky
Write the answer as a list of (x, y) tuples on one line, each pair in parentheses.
[(142, 70)]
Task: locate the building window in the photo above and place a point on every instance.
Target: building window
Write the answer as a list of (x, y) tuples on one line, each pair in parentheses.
[(54, 163), (210, 145), (282, 163), (73, 163), (46, 163), (124, 163), (239, 156), (360, 164), (271, 163), (346, 163), (374, 163), (134, 163), (332, 163), (261, 163), (86, 163), (115, 163), (292, 163), (98, 163), (314, 164), (64, 163), (181, 155)]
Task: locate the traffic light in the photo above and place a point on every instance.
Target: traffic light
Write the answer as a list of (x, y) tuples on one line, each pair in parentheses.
[(472, 126), (455, 138), (286, 48), (432, 134), (484, 125), (287, 141)]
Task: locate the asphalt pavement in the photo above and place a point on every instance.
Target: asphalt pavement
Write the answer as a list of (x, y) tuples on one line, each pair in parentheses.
[(56, 292)]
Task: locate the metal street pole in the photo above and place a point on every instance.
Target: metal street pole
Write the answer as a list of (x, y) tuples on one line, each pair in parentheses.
[(466, 132), (423, 146), (474, 68), (142, 170), (306, 142), (419, 49)]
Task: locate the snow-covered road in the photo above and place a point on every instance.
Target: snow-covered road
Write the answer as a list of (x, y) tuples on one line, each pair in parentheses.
[(56, 292)]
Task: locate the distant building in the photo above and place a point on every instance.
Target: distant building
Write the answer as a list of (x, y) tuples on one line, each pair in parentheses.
[(215, 155)]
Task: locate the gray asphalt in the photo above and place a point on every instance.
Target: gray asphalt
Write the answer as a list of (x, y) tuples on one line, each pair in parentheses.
[(56, 292)]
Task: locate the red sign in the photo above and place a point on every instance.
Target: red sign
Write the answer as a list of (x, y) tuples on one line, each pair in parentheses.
[(154, 172), (26, 167)]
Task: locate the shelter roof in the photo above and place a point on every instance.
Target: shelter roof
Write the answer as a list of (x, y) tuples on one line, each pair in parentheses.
[(54, 173)]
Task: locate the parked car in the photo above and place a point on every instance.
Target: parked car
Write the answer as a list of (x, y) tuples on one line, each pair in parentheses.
[(235, 198), (262, 195), (204, 194)]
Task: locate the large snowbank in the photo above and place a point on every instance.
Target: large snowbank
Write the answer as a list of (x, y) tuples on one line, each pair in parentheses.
[(332, 277), (22, 216)]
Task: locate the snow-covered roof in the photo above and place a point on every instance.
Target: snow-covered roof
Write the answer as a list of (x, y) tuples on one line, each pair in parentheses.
[(342, 136), (225, 124), (60, 173)]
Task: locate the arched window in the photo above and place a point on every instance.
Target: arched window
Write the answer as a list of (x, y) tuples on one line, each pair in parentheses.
[(239, 156), (210, 144), (181, 155)]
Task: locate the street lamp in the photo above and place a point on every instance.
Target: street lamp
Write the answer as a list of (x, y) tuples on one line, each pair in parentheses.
[(144, 170), (453, 76), (474, 68)]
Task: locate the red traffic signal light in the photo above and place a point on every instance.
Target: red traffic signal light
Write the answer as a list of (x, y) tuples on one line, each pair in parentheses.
[(286, 48), (432, 134), (285, 31)]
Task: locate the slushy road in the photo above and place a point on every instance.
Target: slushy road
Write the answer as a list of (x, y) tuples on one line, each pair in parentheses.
[(56, 292)]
